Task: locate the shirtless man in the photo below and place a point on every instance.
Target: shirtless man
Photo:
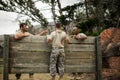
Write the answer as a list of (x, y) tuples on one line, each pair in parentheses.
[(78, 35), (20, 35)]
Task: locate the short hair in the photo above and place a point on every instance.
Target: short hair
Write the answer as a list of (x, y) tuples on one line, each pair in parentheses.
[(75, 28), (58, 25), (22, 24)]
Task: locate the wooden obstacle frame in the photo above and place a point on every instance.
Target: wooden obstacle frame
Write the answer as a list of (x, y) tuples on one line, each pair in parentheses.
[(31, 55)]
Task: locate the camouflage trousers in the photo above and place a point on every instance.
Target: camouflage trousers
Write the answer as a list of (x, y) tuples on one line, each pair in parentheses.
[(57, 59)]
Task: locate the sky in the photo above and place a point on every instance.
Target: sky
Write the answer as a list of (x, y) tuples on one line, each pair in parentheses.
[(9, 20)]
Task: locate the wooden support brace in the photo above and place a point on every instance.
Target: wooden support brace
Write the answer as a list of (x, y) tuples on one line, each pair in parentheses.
[(98, 59), (6, 56)]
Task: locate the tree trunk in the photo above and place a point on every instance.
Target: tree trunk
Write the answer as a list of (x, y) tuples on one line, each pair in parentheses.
[(53, 10), (59, 6), (99, 10), (87, 16)]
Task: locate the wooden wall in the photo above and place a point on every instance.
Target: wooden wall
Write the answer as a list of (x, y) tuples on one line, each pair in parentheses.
[(31, 54)]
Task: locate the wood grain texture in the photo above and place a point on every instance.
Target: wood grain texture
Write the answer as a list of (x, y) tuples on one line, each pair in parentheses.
[(31, 54)]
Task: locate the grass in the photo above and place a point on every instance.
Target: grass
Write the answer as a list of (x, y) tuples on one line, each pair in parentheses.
[(41, 76), (46, 76)]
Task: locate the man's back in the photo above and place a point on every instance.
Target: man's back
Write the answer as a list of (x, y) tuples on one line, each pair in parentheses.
[(58, 37)]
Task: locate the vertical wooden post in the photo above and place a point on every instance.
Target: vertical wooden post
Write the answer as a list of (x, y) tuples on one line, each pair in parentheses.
[(98, 59), (5, 57)]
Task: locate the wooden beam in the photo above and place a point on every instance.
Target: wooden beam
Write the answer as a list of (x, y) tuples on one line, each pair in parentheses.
[(98, 59), (6, 56)]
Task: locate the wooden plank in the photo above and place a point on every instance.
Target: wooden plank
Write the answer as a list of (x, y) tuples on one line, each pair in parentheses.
[(1, 65), (30, 70), (33, 38), (1, 38), (80, 54), (38, 49), (68, 69), (1, 61), (89, 40), (46, 61), (1, 52), (82, 62), (78, 47), (40, 68), (27, 68), (6, 56), (27, 54), (79, 68), (44, 47), (37, 38), (98, 59), (74, 54), (28, 60), (1, 45), (29, 46)]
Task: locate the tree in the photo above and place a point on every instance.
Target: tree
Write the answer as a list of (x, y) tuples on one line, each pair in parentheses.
[(97, 15), (107, 11), (59, 6), (53, 3), (26, 7), (86, 9)]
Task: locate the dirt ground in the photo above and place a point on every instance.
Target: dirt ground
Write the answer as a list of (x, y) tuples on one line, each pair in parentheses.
[(47, 77)]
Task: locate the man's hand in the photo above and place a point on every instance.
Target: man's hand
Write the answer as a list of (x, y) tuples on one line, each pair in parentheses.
[(67, 39), (81, 37), (44, 32), (49, 39)]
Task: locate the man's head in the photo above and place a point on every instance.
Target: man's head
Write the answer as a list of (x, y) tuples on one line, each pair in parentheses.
[(23, 27), (58, 25), (75, 30)]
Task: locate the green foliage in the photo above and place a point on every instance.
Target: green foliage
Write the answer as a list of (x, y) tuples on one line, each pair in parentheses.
[(70, 10), (96, 33), (73, 7), (107, 23), (102, 15), (62, 19), (110, 9), (88, 25)]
